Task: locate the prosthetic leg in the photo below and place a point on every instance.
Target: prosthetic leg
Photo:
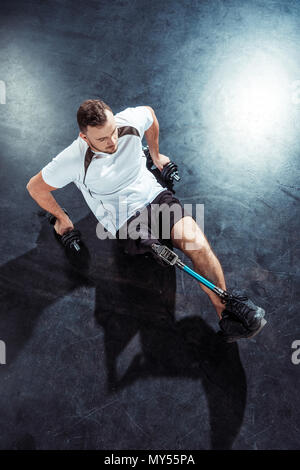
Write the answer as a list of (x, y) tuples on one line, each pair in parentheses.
[(241, 318)]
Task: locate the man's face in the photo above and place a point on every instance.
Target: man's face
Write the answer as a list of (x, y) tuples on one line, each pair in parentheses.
[(103, 138)]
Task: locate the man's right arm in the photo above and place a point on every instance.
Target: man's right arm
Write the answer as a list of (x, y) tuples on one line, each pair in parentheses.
[(41, 193)]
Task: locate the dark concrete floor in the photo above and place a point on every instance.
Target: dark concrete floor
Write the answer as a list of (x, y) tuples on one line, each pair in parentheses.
[(128, 358)]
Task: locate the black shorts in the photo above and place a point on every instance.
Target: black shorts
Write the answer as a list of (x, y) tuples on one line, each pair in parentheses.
[(152, 224)]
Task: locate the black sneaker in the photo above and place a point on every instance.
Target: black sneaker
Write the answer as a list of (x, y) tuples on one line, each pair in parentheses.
[(244, 310), (232, 329)]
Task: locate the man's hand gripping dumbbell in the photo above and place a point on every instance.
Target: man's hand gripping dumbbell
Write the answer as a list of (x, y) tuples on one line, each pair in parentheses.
[(70, 238), (166, 173)]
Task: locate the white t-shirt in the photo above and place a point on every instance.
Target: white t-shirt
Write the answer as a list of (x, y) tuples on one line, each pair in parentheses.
[(115, 185)]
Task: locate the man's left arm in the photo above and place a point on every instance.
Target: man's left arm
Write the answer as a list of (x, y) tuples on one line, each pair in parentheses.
[(152, 137)]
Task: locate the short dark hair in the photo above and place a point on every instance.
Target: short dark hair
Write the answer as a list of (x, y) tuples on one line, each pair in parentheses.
[(92, 113)]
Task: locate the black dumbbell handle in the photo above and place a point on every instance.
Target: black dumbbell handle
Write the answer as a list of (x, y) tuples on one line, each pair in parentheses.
[(175, 176)]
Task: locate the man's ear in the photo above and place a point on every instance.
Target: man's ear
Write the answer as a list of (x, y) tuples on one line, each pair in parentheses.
[(83, 136)]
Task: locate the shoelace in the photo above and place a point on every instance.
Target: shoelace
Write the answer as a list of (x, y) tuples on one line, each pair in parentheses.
[(240, 309)]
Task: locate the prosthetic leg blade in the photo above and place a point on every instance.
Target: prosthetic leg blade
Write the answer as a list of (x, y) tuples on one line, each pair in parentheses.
[(241, 318)]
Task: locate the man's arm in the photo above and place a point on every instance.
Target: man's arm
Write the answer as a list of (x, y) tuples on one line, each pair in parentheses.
[(152, 137), (41, 193)]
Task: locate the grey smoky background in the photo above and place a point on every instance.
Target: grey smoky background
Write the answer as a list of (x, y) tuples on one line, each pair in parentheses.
[(129, 358)]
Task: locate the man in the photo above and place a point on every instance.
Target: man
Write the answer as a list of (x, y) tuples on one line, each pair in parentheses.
[(107, 164)]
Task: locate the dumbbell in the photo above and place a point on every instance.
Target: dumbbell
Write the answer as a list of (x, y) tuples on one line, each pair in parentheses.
[(169, 173), (70, 239), (75, 249)]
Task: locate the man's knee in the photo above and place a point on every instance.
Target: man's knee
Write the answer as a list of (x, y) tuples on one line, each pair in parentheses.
[(188, 237)]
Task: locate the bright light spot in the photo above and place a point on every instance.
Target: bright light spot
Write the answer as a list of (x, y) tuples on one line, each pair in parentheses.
[(257, 100), (247, 107)]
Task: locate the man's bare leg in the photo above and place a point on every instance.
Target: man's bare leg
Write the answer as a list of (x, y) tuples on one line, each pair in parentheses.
[(187, 236)]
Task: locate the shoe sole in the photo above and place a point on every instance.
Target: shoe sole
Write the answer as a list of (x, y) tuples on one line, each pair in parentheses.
[(251, 335)]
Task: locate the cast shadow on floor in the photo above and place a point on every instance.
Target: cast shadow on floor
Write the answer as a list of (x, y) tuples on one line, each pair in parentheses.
[(134, 296)]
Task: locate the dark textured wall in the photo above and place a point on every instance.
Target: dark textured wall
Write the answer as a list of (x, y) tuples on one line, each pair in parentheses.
[(128, 358)]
